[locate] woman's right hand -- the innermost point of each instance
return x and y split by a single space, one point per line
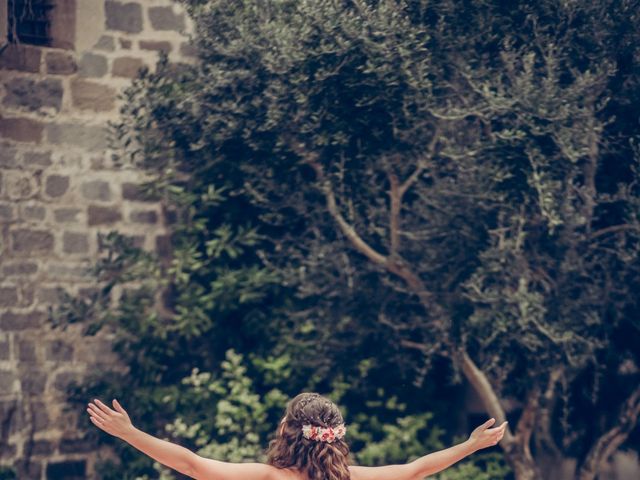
483 436
115 422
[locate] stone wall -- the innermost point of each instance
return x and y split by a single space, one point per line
58 190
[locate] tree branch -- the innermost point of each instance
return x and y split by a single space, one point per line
394 213
611 440
544 437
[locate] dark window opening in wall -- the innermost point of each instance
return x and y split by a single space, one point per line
30 21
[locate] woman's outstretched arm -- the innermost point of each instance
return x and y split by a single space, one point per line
480 438
117 423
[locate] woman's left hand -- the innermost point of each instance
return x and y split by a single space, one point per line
115 422
483 436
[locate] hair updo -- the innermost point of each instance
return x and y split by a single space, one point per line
317 460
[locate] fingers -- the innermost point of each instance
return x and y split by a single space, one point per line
96 412
118 407
103 407
488 423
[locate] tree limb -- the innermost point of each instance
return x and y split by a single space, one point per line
611 440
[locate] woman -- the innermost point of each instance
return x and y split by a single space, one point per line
309 445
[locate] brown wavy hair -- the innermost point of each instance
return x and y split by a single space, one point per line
317 460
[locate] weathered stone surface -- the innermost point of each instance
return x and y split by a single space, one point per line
87 95
125 44
49 296
34 212
92 65
20 185
32 241
74 242
64 379
155 45
105 43
103 215
21 129
27 295
124 17
41 419
7 379
32 469
60 63
34 95
5 348
8 296
34 383
8 156
96 190
37 159
19 268
6 213
59 351
68 271
144 216
83 136
132 191
127 67
21 57
26 350
76 445
56 185
43 447
8 451
66 215
11 321
188 50
164 18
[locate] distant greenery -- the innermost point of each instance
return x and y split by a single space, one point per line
378 199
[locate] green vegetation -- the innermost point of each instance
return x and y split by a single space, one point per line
376 200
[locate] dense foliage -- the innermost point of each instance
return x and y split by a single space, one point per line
377 197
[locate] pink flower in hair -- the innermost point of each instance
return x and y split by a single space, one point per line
322 434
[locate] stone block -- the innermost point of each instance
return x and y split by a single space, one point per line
43 447
27 295
8 296
20 186
87 95
29 241
105 43
76 445
41 419
124 17
127 67
34 383
7 380
188 50
66 215
56 185
33 212
64 379
21 129
144 216
74 242
125 44
5 349
19 268
26 350
132 191
6 213
155 45
92 65
8 156
49 295
164 18
83 136
164 245
34 95
96 190
24 58
68 271
37 159
11 321
31 469
59 351
60 63
98 215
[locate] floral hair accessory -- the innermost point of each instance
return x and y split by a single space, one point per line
321 434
